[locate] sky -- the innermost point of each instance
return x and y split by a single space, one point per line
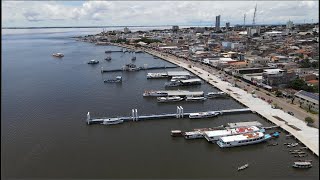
153 13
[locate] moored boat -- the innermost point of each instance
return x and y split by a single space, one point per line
242 139
155 93
193 135
203 115
108 58
112 121
191 98
217 94
170 99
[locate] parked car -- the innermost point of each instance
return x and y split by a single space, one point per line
291 113
267 94
263 98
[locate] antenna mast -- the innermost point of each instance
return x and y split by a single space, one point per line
244 19
254 16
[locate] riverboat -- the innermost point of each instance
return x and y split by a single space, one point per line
216 94
193 135
169 99
242 139
216 134
203 115
154 93
191 98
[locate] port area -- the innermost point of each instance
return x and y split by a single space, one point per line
178 114
308 136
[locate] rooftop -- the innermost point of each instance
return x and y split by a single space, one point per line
308 96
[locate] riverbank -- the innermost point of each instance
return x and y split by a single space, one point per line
308 136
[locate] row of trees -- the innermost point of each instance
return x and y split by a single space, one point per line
307 64
146 40
300 84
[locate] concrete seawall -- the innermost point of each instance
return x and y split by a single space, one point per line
308 136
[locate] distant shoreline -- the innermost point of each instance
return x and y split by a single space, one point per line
193 25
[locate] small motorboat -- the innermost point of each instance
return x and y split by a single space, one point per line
275 134
302 165
176 133
93 62
117 80
108 58
59 55
243 167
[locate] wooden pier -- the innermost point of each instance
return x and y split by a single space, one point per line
178 114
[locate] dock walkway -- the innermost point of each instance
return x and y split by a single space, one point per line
309 136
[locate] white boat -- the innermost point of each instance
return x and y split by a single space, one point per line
117 80
112 121
93 61
216 94
155 93
57 55
176 133
156 75
243 167
242 139
305 164
191 98
193 135
169 99
203 115
214 135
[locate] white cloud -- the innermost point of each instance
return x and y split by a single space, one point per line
50 13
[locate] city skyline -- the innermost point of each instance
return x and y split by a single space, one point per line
153 13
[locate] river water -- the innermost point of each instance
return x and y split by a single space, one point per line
44 106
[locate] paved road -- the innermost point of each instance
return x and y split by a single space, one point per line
283 103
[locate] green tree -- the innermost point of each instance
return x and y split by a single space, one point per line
309 120
278 93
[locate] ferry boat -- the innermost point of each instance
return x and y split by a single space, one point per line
216 134
303 165
93 61
112 121
117 80
57 55
203 115
169 99
216 94
176 133
155 93
108 58
175 78
242 139
191 98
193 135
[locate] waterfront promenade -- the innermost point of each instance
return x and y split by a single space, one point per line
309 136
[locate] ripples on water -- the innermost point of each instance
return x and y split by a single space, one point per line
44 106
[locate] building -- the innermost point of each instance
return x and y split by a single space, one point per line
126 30
251 31
254 61
307 100
227 25
218 22
277 77
289 25
175 28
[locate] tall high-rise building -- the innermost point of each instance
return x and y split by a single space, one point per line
218 22
289 25
227 24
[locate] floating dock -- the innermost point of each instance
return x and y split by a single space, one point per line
178 114
243 124
176 93
138 69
